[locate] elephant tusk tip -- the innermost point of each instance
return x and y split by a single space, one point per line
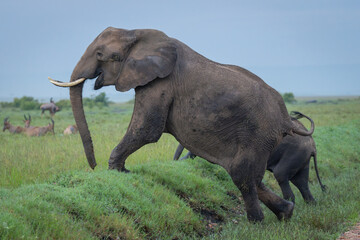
53 81
68 84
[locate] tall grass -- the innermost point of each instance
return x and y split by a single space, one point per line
47 190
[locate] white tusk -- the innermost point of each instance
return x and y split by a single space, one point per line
66 84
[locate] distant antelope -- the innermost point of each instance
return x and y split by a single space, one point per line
12 128
30 131
43 130
51 107
71 129
27 121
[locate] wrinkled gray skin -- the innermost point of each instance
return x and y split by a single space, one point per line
289 161
222 113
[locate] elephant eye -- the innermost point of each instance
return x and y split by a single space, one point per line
116 57
99 54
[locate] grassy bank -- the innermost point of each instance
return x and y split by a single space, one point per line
48 191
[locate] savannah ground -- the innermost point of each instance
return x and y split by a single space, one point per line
48 191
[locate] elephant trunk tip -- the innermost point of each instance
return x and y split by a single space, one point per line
90 157
93 165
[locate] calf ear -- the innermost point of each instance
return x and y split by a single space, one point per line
153 55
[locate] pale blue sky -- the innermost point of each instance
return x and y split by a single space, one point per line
305 47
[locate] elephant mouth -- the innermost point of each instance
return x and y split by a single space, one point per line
99 83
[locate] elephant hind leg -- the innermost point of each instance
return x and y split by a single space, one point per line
246 174
286 168
284 184
281 208
301 181
252 203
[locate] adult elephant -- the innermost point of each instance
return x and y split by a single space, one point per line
222 113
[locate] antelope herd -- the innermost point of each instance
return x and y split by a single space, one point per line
30 130
35 130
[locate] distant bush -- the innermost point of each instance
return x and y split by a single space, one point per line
289 97
24 103
29 103
7 104
63 104
132 101
100 101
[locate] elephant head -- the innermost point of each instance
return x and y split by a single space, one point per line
126 59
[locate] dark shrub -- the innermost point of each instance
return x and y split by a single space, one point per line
289 98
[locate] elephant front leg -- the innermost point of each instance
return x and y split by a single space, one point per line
146 126
129 144
283 209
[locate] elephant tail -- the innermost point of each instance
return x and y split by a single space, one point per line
178 152
323 187
299 131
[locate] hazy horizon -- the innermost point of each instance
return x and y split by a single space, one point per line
309 48
124 97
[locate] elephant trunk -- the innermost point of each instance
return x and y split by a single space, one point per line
79 115
81 72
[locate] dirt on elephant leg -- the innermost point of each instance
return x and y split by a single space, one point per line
246 171
250 197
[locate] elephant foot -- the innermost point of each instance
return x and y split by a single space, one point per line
255 217
311 201
120 168
287 212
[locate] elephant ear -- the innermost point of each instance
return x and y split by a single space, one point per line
152 56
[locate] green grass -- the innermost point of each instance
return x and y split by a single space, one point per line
47 190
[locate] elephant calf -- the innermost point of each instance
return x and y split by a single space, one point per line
289 161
